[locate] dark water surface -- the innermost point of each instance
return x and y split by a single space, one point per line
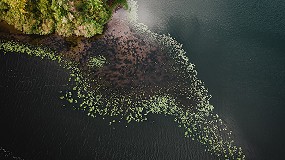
35 125
238 48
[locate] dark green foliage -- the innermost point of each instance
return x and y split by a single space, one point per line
116 3
65 17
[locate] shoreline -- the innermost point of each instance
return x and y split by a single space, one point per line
133 62
140 69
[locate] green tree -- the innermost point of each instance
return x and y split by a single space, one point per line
65 17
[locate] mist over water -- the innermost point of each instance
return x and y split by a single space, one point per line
238 49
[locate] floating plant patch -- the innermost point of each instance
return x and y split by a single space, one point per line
146 73
96 62
5 154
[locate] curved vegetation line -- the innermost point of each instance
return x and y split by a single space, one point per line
187 100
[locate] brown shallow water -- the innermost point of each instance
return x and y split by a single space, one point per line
133 63
42 129
135 66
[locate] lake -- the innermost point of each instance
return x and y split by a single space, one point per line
237 47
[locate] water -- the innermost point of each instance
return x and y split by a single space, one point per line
238 51
35 125
238 48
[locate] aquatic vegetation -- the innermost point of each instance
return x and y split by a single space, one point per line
200 124
97 62
65 17
5 154
11 46
146 73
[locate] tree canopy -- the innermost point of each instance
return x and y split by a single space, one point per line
65 17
